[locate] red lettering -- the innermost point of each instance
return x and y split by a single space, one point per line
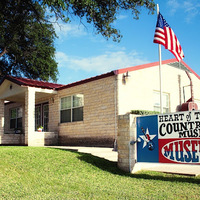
178 146
194 143
186 143
181 145
170 148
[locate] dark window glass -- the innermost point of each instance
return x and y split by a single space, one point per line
65 115
19 122
12 123
38 118
77 114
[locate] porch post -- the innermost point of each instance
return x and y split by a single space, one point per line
1 120
29 115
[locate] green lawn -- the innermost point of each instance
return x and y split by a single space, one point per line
44 173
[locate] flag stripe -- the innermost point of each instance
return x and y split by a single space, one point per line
159 36
165 35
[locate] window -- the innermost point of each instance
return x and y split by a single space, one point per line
71 108
165 102
16 118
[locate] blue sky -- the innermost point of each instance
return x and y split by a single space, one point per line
81 53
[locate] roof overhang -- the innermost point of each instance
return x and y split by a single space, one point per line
10 91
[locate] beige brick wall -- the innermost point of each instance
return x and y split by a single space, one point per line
98 125
54 113
13 139
126 134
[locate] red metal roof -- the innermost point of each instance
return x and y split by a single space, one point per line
32 83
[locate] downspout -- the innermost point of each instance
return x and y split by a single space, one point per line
191 86
179 85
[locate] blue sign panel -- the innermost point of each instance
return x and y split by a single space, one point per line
147 132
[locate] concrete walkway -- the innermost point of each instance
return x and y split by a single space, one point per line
106 153
181 169
109 154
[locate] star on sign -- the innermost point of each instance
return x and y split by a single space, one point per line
145 139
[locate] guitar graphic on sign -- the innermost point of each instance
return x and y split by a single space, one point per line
147 138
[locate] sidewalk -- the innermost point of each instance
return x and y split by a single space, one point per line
106 153
109 154
181 169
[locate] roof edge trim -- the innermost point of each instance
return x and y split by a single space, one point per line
112 73
144 66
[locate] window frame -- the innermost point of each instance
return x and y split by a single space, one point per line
71 108
156 105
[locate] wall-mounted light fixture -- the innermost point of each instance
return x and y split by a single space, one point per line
125 77
52 100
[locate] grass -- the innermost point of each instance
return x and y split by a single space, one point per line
44 173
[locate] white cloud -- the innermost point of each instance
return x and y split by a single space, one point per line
122 17
69 30
174 5
62 59
189 7
101 63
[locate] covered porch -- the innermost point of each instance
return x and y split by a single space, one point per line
23 108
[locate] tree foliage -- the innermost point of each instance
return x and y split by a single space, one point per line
100 13
26 41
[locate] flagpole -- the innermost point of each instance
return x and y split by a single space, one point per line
160 70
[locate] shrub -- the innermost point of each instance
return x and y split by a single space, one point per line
144 112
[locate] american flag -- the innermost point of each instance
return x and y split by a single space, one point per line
165 35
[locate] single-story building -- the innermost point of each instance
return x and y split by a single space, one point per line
85 112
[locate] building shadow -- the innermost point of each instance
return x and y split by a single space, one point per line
112 168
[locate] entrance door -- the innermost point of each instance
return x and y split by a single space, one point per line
42 116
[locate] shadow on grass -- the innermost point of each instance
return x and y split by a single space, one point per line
111 167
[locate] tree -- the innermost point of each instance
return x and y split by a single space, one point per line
100 13
26 41
27 36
